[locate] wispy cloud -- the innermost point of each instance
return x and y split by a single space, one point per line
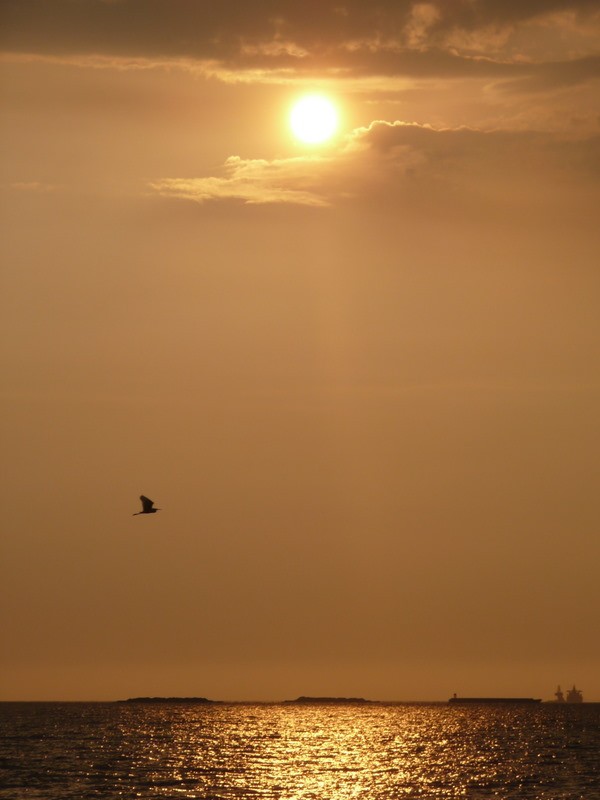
33 186
254 181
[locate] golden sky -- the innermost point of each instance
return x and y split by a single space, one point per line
361 378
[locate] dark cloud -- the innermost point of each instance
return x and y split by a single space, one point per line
488 12
188 28
506 147
397 37
554 75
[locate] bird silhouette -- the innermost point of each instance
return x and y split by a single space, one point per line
146 506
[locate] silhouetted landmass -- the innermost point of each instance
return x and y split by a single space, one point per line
305 700
168 700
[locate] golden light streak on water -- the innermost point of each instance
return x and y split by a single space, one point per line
298 752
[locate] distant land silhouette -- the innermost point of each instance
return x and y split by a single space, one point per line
327 700
303 699
168 700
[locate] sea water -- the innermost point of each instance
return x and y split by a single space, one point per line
57 751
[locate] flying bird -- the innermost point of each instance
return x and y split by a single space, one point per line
147 506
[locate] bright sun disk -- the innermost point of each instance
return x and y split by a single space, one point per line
313 119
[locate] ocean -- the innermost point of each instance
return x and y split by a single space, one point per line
239 751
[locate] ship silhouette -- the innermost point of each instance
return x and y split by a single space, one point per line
573 695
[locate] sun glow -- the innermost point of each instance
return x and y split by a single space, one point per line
313 119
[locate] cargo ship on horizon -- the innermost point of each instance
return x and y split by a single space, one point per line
468 700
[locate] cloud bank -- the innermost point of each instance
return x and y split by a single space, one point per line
284 40
398 159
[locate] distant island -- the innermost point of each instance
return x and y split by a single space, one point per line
327 700
303 700
168 700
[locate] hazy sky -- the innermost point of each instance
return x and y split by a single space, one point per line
360 378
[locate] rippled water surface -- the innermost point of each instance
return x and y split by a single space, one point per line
52 751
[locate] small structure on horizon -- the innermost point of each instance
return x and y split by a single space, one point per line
560 698
574 695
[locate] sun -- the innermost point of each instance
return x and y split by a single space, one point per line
313 119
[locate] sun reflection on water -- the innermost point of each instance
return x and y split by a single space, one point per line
298 752
342 752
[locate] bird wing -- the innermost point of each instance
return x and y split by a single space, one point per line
146 503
